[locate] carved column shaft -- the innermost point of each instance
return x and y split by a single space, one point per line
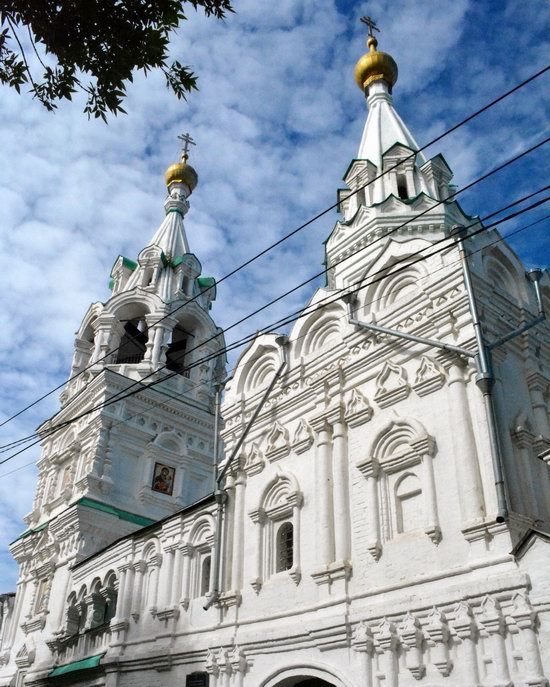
177 580
540 411
139 571
167 578
466 459
325 542
128 590
341 493
121 592
158 340
187 552
238 534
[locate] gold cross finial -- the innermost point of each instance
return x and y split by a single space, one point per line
369 21
187 141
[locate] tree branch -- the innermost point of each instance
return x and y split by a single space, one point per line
22 52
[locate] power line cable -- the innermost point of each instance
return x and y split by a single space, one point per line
292 318
464 121
343 316
152 385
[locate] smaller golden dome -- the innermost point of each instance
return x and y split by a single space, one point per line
181 173
374 66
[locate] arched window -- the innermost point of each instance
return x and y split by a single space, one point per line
285 547
133 343
205 575
408 504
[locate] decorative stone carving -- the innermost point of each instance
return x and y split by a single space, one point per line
254 461
392 385
277 442
362 639
526 620
211 666
303 437
438 632
429 377
237 659
412 638
357 409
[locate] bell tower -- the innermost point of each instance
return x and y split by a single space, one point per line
134 436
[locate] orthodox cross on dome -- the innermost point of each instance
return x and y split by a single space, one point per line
187 141
369 21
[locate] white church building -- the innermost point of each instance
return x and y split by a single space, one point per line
379 515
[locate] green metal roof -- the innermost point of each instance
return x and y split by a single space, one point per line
130 264
27 533
83 664
122 514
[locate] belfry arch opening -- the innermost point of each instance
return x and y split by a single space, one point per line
133 342
177 349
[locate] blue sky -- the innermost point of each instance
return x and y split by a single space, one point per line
277 119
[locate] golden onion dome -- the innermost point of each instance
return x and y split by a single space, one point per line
374 66
181 173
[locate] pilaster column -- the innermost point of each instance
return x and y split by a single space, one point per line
167 577
495 625
224 665
128 590
411 636
466 630
438 631
139 572
258 517
363 643
159 334
187 551
325 529
532 490
153 586
525 619
369 469
425 447
212 667
466 459
389 642
122 573
238 532
340 490
538 385
177 579
238 663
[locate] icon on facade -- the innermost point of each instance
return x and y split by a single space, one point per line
163 479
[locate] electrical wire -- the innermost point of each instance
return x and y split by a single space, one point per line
293 317
343 316
248 262
325 270
226 349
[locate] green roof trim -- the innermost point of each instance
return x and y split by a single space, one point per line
34 530
111 284
208 283
174 210
121 514
177 261
130 264
164 259
83 664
